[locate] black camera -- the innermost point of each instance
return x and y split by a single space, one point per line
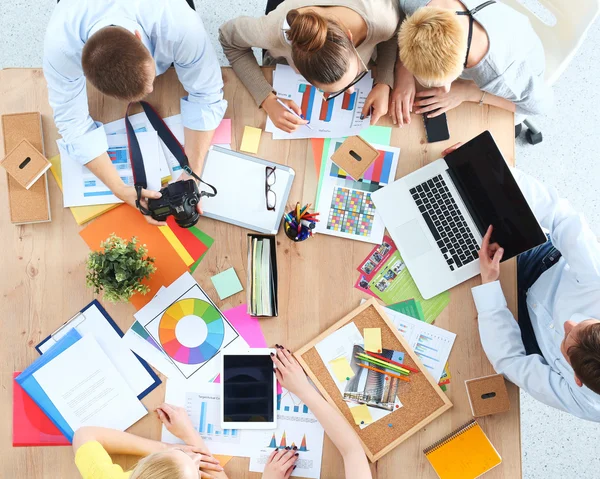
178 199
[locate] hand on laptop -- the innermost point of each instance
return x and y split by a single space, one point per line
489 258
289 372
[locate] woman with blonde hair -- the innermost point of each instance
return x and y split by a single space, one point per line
330 43
481 51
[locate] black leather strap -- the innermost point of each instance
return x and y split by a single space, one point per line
471 22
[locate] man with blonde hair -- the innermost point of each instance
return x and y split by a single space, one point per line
471 50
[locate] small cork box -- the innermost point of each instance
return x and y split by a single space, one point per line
355 156
25 164
487 395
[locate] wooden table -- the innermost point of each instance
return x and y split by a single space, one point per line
43 270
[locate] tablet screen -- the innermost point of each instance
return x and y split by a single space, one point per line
248 383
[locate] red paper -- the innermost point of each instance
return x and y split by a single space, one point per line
317 148
31 427
193 245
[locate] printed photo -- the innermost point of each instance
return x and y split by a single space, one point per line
368 267
384 248
389 274
376 258
382 285
363 283
398 266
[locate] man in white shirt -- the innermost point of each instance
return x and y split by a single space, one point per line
120 46
553 352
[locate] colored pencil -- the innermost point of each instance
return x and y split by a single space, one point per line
402 378
404 366
383 364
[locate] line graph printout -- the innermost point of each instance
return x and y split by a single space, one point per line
336 118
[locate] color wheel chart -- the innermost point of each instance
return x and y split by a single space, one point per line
195 313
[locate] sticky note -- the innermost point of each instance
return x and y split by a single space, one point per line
361 414
251 139
222 134
227 283
341 369
372 339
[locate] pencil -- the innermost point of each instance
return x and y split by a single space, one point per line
410 368
402 378
383 364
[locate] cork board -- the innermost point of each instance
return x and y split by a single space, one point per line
422 398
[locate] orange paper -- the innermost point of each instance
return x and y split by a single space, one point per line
127 222
317 148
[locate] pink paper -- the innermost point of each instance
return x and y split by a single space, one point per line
223 133
249 329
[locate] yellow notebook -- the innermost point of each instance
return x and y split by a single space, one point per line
82 214
466 453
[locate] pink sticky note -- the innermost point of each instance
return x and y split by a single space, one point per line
223 133
249 329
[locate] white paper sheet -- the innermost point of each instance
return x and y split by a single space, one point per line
345 204
82 188
332 119
87 390
93 322
192 334
431 343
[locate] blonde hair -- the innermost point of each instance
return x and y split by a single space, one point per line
433 45
157 466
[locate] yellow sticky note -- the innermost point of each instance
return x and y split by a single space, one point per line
251 139
361 414
341 369
373 339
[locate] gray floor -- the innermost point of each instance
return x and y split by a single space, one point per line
555 445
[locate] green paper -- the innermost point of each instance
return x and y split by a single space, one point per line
206 240
410 307
380 135
227 283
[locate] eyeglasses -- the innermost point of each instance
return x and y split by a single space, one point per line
270 196
360 76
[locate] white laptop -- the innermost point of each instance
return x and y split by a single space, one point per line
438 215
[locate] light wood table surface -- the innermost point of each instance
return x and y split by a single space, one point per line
42 280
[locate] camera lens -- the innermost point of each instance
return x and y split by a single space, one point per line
193 202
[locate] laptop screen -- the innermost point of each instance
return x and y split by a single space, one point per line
492 195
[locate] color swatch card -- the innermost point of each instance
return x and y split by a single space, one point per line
190 329
345 204
251 139
340 116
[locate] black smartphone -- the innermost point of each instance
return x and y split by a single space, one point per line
436 128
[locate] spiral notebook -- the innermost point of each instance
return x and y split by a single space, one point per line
466 453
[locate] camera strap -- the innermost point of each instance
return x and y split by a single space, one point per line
171 142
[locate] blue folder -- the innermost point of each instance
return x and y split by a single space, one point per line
96 303
35 391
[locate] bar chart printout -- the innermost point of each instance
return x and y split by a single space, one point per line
204 412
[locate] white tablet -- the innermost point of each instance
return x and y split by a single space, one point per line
249 390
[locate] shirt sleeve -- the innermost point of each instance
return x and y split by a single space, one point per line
199 72
569 231
82 138
387 53
501 340
94 462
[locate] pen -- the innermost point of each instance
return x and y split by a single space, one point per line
383 364
293 113
384 372
404 366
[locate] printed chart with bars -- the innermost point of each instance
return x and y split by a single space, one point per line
326 110
283 443
288 402
204 412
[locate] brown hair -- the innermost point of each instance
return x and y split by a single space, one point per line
585 356
115 62
320 47
157 466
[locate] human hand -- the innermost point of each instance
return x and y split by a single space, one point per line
403 96
441 100
179 424
489 258
184 177
289 372
281 463
202 459
450 149
376 103
281 118
129 196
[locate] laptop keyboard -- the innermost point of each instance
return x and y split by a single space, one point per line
446 222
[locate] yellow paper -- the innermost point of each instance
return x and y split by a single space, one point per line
361 414
251 139
341 369
373 339
82 214
177 246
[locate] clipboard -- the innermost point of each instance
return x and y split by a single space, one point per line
80 317
240 181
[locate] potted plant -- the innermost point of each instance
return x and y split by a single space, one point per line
119 268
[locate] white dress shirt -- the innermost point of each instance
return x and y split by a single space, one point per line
171 31
569 290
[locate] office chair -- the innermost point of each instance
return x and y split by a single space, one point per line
561 41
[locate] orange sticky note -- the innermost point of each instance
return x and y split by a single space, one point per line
251 139
372 339
127 222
